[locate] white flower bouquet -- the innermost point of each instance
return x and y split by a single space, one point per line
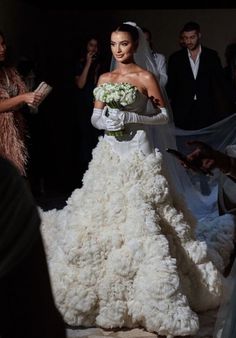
115 95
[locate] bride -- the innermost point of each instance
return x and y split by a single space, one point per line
122 252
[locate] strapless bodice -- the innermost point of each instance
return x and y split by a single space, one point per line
139 104
112 92
134 137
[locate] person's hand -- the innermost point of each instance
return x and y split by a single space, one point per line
90 57
203 157
116 114
32 99
207 158
114 119
121 118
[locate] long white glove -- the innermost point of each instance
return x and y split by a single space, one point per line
99 118
118 119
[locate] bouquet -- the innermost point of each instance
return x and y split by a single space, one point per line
115 95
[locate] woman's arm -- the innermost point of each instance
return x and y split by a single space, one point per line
117 119
14 103
81 79
208 158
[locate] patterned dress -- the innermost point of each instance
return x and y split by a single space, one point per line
12 127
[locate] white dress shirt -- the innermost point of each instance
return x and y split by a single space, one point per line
195 65
160 62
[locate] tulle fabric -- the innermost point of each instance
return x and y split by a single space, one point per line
225 326
219 135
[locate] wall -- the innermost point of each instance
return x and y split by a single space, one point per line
217 25
31 29
20 24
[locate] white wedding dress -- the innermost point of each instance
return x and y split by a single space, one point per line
123 251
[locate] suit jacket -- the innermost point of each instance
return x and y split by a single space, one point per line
213 102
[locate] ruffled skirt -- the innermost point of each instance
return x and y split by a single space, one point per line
122 253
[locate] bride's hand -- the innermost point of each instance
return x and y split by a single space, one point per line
113 119
116 114
112 125
105 120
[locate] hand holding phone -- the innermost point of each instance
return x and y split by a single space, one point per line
195 165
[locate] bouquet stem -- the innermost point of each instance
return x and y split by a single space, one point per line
115 133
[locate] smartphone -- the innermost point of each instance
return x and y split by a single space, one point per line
188 163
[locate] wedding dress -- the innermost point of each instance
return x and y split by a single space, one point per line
123 252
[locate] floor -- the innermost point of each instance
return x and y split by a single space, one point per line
99 333
207 323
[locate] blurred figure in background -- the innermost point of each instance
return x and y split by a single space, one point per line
181 39
200 98
208 158
196 83
230 68
159 59
88 69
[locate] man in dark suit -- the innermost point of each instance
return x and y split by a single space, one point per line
196 85
27 308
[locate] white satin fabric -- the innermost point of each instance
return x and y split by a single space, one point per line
125 148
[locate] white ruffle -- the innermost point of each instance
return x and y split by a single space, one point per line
121 255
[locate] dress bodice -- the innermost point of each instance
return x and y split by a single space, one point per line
135 136
139 104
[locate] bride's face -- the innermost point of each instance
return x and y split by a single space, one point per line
122 46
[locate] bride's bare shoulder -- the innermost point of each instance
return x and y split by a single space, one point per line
146 74
106 77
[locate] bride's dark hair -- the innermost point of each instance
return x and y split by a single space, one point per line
128 29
